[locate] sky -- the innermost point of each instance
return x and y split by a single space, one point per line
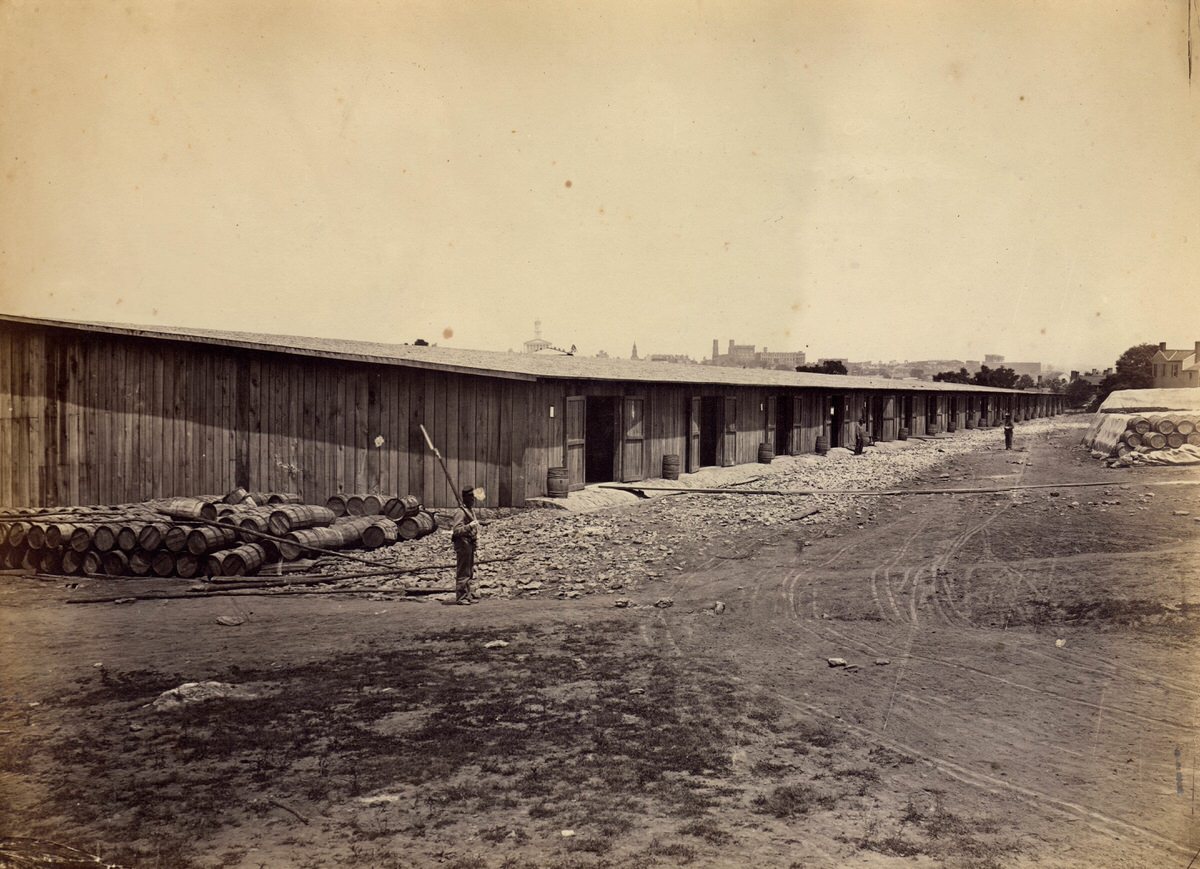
871 180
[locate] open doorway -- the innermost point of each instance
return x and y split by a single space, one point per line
783 425
601 434
837 419
712 425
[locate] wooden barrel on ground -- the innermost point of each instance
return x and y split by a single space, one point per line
1131 439
151 535
238 496
72 562
902 433
970 422
298 541
93 565
1162 424
932 428
187 565
398 508
51 561
201 541
58 534
1139 424
116 562
766 453
355 505
81 538
35 537
176 537
30 559
283 498
951 427
294 517
163 564
336 504
141 562
189 508
351 529
1194 438
1175 440
670 467
822 446
557 485
17 532
104 538
259 498
1155 440
416 526
128 536
251 523
245 560
372 505
381 532
1185 426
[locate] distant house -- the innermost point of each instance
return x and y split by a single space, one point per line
746 356
1175 368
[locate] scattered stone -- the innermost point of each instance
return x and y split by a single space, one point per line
664 603
567 834
836 662
199 692
495 644
1059 643
882 662
621 602
1181 513
231 621
718 607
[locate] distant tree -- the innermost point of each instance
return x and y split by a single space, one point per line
1025 382
829 366
421 342
916 373
1055 384
1004 378
959 376
1134 370
1079 393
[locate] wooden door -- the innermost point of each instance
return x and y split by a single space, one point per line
796 440
693 456
729 437
769 427
889 417
633 421
574 441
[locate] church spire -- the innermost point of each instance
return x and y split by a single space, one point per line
634 355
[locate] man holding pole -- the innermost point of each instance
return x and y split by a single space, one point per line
465 537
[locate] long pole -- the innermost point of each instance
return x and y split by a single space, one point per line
449 479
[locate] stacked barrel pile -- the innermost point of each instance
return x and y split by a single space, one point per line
234 535
1158 431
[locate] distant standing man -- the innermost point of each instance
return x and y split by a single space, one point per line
465 537
860 436
1008 431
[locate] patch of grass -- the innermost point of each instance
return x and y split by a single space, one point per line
677 852
789 801
707 829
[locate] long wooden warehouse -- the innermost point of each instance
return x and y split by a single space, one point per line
97 413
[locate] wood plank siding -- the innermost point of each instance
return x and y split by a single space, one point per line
88 417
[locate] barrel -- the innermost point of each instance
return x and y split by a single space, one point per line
951 427
251 523
931 428
51 561
1131 439
81 538
72 562
298 542
163 564
1184 426
398 508
57 534
204 540
17 532
176 537
970 423
355 505
766 453
1175 440
1194 438
104 538
1155 440
189 508
902 433
381 532
30 559
351 528
238 496
141 562
1162 424
151 535
128 536
372 505
294 517
557 485
670 467
245 560
822 445
283 498
92 563
337 504
116 562
12 560
35 537
1139 424
187 565
261 499
416 526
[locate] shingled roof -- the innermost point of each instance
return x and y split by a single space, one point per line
518 366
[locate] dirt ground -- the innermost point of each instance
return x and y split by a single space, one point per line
1021 689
